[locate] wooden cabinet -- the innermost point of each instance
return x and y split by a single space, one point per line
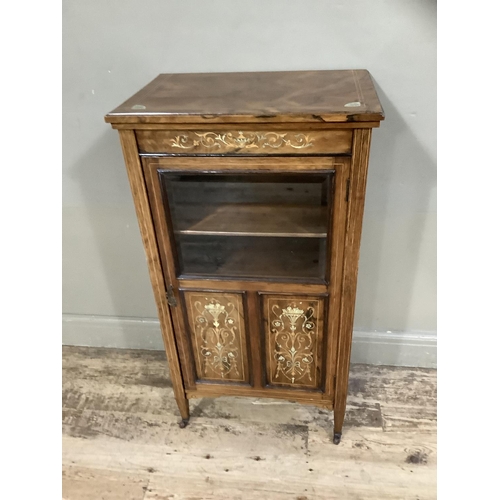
249 190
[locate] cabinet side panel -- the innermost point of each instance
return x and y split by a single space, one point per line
138 188
359 171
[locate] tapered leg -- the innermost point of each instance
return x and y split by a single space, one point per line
356 199
183 404
338 422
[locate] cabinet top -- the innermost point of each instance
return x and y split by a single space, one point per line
265 97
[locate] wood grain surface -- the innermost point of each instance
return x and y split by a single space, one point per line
287 96
121 440
244 164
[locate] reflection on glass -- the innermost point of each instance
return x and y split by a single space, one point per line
249 225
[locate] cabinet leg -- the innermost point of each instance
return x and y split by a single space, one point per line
183 404
338 422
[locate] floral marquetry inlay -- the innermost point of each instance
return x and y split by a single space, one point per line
217 330
294 341
241 140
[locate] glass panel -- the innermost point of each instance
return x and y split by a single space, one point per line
249 225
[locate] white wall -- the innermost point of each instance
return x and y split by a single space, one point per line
113 48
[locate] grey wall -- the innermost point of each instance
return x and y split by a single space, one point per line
113 48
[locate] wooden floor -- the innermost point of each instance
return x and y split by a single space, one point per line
121 439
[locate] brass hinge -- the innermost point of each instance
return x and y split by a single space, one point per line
347 189
172 301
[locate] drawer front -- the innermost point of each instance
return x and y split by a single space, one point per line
293 339
218 335
245 142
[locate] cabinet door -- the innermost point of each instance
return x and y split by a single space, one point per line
239 227
218 335
293 339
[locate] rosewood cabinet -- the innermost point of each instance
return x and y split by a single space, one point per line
249 190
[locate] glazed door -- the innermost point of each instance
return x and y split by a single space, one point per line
250 226
250 248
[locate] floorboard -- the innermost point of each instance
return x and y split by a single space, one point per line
121 440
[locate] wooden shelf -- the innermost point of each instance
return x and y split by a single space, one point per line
239 219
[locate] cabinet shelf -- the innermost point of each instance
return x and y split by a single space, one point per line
240 219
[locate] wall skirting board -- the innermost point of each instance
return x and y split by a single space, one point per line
417 349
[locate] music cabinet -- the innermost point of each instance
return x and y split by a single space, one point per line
249 190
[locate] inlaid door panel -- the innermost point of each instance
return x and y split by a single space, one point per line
218 335
293 339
